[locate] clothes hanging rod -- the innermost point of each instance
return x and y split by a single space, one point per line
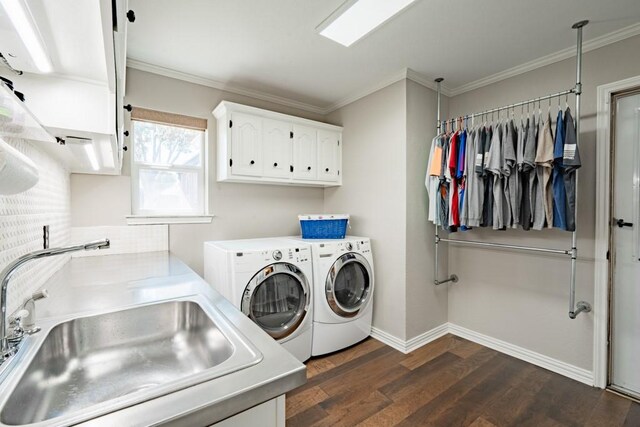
574 308
507 246
517 104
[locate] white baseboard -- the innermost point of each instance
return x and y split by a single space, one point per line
413 343
553 365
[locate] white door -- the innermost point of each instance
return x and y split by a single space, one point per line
625 249
277 148
328 155
305 154
246 145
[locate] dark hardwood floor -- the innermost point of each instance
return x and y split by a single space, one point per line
449 382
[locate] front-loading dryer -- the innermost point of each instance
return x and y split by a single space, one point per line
343 292
270 281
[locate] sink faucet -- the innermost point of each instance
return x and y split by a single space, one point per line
6 349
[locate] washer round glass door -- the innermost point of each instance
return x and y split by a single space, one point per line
277 299
348 285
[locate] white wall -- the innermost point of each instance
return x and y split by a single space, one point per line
522 298
241 210
373 192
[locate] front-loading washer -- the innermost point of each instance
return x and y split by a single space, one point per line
343 292
269 280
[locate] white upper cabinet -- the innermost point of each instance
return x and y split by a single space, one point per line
305 152
80 102
276 148
329 155
266 147
246 150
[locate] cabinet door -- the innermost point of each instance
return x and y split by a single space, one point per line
246 145
305 152
277 151
328 155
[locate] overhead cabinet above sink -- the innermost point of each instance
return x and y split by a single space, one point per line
80 101
265 147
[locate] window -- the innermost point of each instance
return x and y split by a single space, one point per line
168 165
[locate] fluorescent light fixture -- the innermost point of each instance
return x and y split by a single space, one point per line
83 150
91 155
24 24
357 18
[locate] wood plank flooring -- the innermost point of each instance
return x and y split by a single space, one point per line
449 382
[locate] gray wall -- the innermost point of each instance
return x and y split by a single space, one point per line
522 298
241 210
426 303
373 192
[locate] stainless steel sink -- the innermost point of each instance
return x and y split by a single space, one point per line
89 366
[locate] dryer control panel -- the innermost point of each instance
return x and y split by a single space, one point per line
361 246
292 255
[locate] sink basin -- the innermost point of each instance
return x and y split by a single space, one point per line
89 366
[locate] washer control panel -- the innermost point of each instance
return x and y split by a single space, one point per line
302 254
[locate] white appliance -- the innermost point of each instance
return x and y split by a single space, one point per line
270 281
343 292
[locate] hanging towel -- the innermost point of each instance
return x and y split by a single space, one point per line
570 163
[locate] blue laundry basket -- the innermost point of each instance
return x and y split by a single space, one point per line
323 226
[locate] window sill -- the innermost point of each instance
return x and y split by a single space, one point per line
181 219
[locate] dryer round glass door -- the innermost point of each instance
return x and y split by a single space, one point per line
277 299
348 285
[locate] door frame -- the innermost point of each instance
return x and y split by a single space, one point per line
603 229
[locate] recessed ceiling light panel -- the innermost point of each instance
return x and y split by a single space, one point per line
357 18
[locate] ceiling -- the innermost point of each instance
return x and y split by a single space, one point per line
271 46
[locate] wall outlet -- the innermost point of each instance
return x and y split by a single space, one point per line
45 237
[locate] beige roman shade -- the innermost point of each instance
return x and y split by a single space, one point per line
153 116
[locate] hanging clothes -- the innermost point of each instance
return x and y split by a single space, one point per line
432 178
559 194
570 163
525 164
487 212
543 213
496 160
530 165
454 207
510 174
474 188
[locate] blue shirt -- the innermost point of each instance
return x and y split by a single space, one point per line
559 193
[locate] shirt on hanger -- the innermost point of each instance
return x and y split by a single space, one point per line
544 165
494 166
487 212
523 171
474 196
529 166
559 194
570 163
508 170
432 180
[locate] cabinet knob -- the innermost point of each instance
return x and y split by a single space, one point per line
275 165
309 168
252 162
131 16
326 170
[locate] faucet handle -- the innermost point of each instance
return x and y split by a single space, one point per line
18 316
40 295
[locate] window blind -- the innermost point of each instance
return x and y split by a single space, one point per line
161 117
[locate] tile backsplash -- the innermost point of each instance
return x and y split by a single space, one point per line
22 217
124 239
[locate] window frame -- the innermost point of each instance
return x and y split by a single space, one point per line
146 216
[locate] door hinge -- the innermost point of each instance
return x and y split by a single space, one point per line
230 123
607 255
291 168
291 134
230 162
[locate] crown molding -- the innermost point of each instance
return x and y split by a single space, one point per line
589 45
264 96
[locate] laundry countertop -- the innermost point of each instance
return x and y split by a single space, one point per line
88 285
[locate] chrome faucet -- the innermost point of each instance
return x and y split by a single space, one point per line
6 348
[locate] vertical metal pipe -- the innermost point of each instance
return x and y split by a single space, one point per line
574 237
437 236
